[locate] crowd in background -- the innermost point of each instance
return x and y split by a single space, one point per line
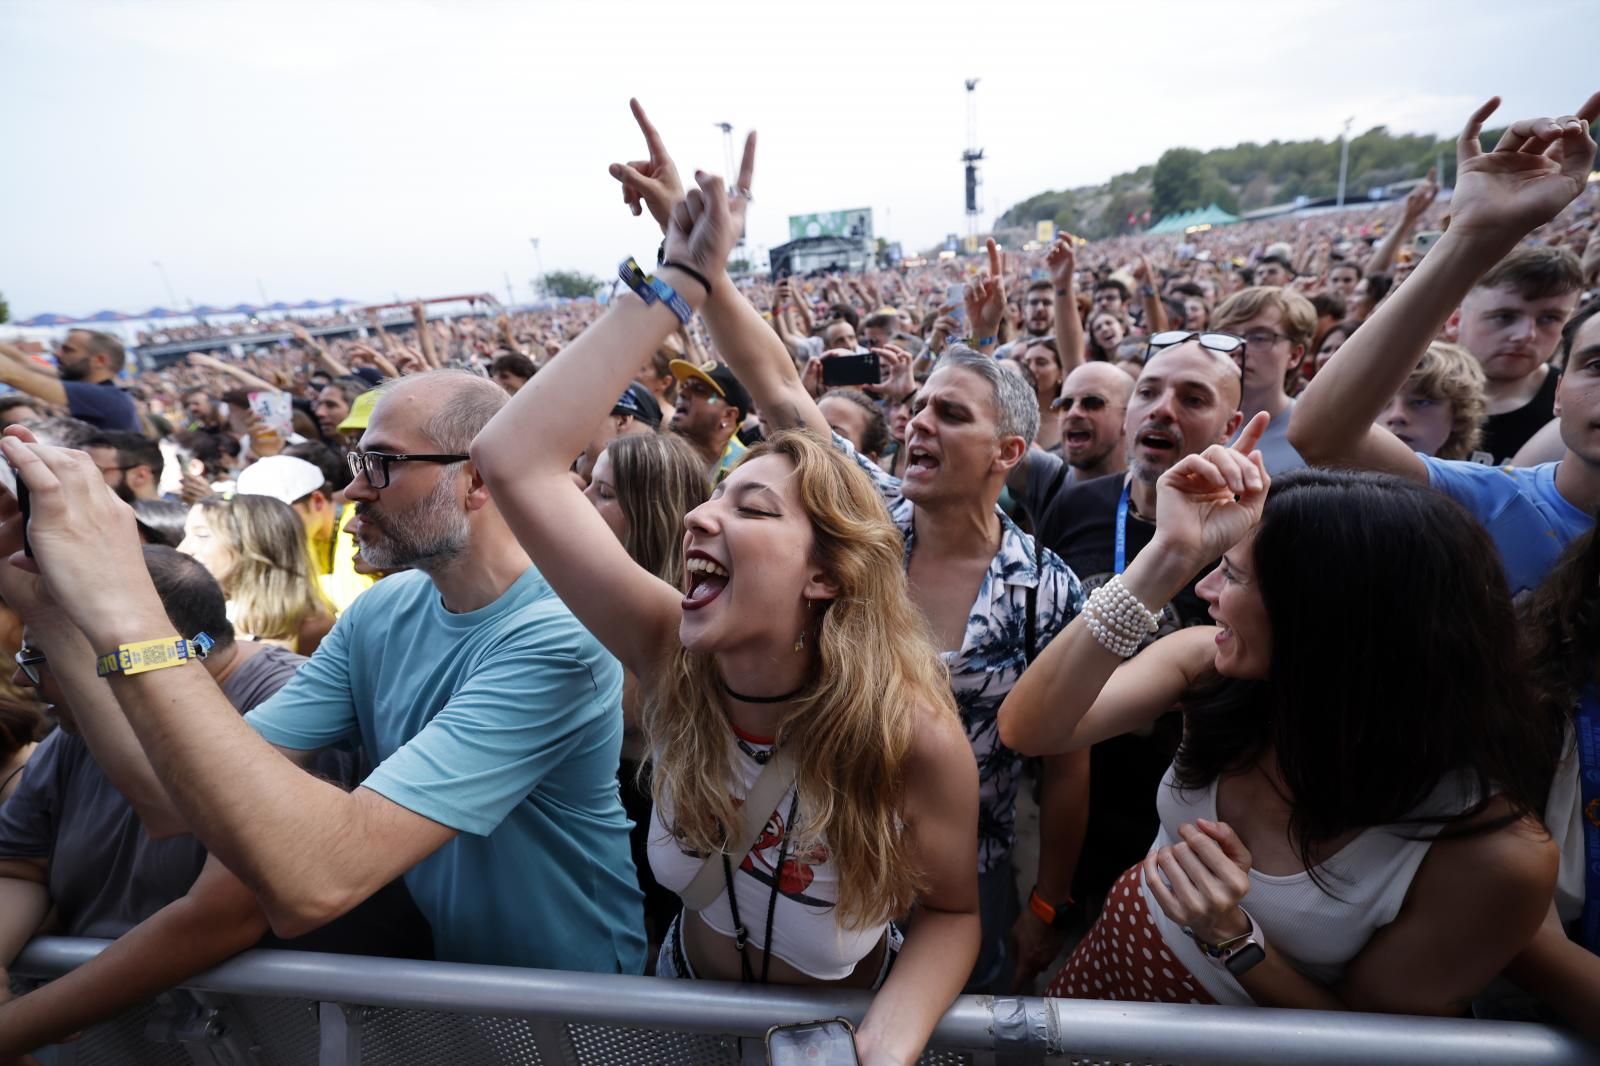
485 577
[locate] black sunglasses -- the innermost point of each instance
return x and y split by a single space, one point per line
374 466
29 660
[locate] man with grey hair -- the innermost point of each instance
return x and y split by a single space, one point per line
991 599
492 714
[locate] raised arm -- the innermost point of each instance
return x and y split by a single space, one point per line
1155 311
1077 693
419 315
525 450
1539 167
986 302
324 357
752 349
1411 212
1062 262
18 371
238 373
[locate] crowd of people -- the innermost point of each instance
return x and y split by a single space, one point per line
717 632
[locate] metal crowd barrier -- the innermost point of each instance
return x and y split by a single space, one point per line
283 1008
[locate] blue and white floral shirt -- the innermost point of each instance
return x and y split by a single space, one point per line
993 653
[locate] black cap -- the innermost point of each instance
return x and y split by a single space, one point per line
638 402
720 378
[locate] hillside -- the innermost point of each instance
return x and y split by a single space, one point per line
1241 178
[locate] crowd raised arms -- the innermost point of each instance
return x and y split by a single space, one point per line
1231 531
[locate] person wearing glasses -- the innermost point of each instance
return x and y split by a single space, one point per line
1089 414
1278 326
491 713
1185 400
711 407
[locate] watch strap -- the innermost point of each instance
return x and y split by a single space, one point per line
1056 917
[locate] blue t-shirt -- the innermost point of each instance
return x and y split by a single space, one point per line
502 723
1530 522
103 406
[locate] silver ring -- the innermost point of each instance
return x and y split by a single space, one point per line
740 190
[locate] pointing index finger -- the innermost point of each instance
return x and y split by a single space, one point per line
652 139
747 164
1251 435
994 258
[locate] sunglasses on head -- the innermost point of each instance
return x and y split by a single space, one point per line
1222 343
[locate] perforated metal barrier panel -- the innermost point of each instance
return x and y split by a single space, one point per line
268 1008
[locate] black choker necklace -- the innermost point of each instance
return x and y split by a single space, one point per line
785 698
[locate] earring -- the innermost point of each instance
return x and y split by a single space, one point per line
800 645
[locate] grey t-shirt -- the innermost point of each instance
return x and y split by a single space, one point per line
106 875
259 676
1276 451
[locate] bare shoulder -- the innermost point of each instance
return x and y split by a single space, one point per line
940 755
1505 864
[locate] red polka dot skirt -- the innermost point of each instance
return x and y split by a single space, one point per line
1124 957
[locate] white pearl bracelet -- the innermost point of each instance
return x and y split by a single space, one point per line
1117 619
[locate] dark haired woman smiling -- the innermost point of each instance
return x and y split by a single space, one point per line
1349 821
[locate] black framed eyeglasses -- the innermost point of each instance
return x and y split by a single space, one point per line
374 466
28 661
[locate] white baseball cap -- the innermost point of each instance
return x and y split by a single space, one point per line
283 477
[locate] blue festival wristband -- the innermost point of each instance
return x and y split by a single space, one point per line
636 279
675 303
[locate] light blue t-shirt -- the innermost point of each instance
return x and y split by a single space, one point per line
1530 522
502 723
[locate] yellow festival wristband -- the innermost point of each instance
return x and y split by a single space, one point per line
145 655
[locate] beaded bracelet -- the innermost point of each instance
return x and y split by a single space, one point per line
1117 619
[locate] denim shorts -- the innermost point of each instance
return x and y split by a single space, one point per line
674 961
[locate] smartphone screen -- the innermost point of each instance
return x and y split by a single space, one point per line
851 370
956 296
829 1043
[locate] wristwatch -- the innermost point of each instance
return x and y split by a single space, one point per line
1055 917
1237 955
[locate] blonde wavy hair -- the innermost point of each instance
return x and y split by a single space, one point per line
877 671
270 584
1450 374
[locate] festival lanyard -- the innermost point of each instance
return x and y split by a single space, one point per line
1121 558
1587 723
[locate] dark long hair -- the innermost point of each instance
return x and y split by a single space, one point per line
1394 663
1562 623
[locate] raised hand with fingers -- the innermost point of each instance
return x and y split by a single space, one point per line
1062 262
895 382
1419 199
708 221
986 300
651 183
1538 168
1210 501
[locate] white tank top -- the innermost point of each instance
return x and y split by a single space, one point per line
1315 931
805 933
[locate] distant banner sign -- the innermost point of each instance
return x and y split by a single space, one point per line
1045 232
855 224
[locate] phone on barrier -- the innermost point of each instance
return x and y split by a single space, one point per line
851 370
825 1043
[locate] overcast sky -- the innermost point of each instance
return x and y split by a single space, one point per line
366 150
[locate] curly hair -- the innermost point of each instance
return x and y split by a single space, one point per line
1450 374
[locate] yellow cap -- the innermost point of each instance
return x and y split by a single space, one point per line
360 412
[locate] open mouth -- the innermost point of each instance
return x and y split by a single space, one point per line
920 460
706 579
1078 438
1160 441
